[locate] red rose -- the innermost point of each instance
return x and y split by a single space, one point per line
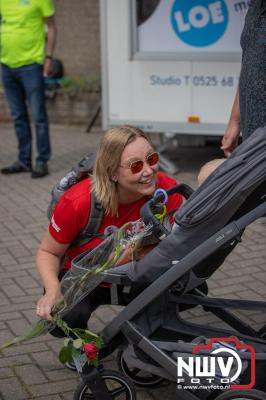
90 350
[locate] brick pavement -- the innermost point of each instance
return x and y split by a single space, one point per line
32 370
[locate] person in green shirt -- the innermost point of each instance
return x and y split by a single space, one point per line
26 54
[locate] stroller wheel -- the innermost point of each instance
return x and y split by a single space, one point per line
118 386
136 375
250 394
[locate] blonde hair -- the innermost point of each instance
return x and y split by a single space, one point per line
107 162
208 168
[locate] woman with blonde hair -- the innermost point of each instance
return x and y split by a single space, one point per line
125 176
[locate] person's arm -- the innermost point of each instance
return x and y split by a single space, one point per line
50 44
48 260
231 136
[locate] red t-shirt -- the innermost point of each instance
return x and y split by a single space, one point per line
72 212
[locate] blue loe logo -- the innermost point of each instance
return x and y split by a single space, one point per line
199 23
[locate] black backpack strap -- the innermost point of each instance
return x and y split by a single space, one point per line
93 224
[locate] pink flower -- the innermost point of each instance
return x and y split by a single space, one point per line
90 350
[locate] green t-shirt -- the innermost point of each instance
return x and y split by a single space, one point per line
22 36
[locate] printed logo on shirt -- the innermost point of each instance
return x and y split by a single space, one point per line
199 23
54 225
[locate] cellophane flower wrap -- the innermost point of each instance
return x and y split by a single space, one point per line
85 274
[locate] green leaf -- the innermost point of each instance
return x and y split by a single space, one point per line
94 362
65 354
75 352
77 343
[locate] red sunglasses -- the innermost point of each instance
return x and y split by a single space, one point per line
137 166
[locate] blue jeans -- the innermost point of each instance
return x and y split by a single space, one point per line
25 86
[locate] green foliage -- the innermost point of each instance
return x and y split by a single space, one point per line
65 354
73 348
75 341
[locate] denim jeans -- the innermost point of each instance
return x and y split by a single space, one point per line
25 86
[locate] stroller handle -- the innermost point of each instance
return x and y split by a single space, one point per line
149 208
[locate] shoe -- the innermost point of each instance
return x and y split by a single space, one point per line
39 171
16 168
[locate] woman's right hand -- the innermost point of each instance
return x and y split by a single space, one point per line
45 305
230 138
49 256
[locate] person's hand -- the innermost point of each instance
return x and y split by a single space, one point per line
230 138
47 67
45 305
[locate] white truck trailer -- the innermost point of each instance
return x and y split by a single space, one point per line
170 66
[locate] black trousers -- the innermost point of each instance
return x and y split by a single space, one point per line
80 314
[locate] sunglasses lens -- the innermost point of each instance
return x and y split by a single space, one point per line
152 159
136 166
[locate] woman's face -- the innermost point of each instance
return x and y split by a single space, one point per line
131 187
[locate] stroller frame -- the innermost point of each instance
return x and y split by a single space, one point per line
200 236
123 325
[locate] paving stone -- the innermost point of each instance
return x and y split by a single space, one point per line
67 396
225 290
260 276
95 323
15 360
53 387
259 318
106 314
27 260
11 389
30 316
7 259
8 316
6 282
48 360
4 299
19 326
30 374
256 285
14 226
16 307
19 251
250 295
236 280
58 375
248 271
55 344
31 244
7 274
2 325
32 370
36 292
5 336
5 373
24 299
25 348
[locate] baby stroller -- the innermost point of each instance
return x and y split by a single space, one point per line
150 333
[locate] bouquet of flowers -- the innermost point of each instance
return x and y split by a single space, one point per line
85 274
